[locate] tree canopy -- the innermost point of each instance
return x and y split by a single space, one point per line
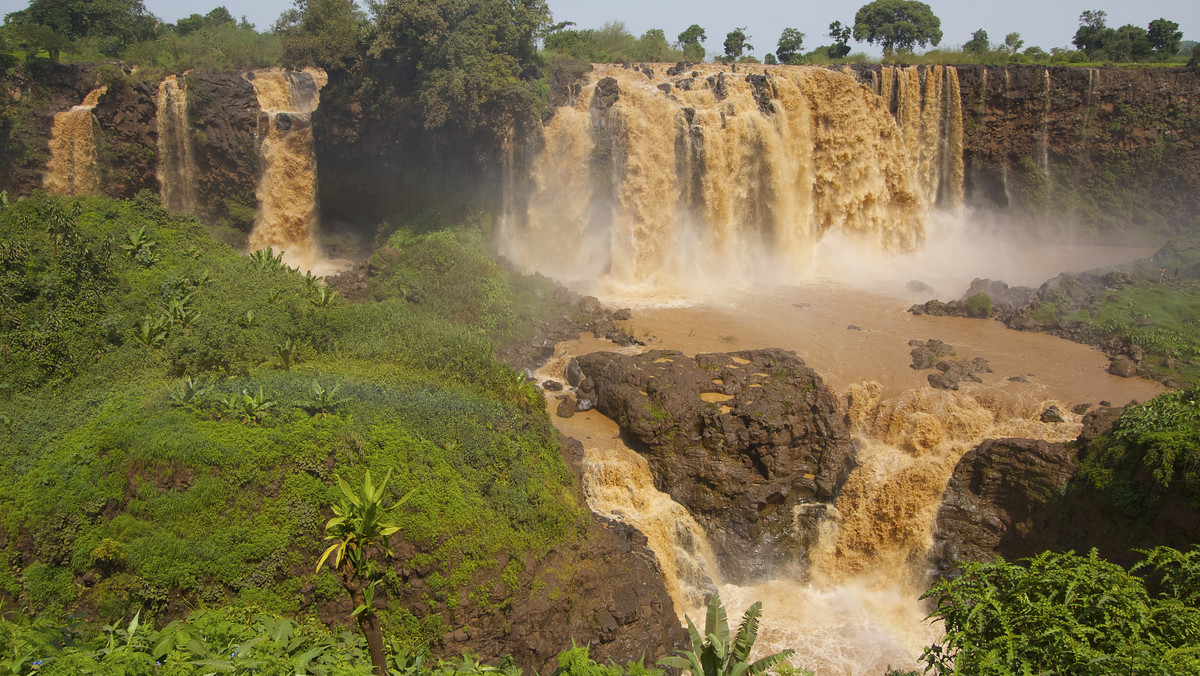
841 40
118 23
978 44
736 43
1128 43
897 24
791 42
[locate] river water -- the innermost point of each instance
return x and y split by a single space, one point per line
857 610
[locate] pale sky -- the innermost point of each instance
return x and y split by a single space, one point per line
1041 23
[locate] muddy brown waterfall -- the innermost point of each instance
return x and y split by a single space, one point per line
721 176
177 179
287 187
73 168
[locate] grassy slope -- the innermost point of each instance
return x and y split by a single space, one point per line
115 496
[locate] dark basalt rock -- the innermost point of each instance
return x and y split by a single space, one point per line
998 488
926 354
750 442
608 92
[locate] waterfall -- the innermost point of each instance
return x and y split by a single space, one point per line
722 178
287 186
73 165
177 179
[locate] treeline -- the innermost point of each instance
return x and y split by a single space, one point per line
90 31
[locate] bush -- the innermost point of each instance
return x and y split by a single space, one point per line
979 305
1066 614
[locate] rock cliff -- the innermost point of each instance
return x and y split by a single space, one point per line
750 442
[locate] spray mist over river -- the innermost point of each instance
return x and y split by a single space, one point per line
793 211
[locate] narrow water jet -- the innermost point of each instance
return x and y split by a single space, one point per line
177 174
287 186
73 167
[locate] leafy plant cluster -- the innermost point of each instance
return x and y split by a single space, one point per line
91 32
1153 449
1060 613
194 467
238 641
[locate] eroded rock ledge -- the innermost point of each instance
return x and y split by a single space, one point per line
750 442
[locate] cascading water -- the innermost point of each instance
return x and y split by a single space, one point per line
287 187
73 164
733 177
177 179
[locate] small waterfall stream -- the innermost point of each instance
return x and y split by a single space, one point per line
177 179
287 187
73 166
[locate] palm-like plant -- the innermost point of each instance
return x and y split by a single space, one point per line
137 242
324 400
714 654
360 529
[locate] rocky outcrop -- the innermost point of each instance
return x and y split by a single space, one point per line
128 120
1016 497
998 500
225 118
750 442
1110 146
606 590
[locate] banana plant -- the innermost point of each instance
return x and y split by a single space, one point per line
267 259
137 242
251 408
152 332
715 653
247 321
325 297
360 529
189 392
324 400
286 351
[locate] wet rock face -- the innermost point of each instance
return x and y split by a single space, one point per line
224 112
750 442
999 494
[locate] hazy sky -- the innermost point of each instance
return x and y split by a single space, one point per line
1041 23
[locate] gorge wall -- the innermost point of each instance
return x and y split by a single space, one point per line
1106 149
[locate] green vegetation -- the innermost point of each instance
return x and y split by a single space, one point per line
979 305
191 468
1152 452
613 43
123 29
897 25
1067 614
716 653
360 535
1159 42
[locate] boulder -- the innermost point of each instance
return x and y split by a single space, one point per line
926 354
751 442
1052 415
998 488
566 407
608 92
1123 366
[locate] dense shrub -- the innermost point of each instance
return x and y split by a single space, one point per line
979 305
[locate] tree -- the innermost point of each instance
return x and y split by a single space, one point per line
1093 32
360 530
466 65
978 44
897 24
735 43
841 40
690 42
324 33
119 22
791 41
1013 43
1131 44
1164 37
715 654
653 45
